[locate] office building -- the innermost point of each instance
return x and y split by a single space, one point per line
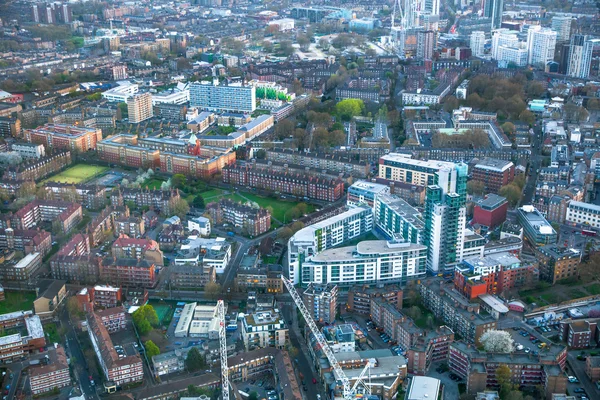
545 370
493 9
477 43
583 214
370 261
265 328
321 300
541 43
326 234
121 93
536 228
215 97
493 174
580 56
365 193
561 24
425 44
139 108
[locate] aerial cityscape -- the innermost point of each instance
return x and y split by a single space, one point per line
317 200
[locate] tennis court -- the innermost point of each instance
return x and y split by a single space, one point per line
164 311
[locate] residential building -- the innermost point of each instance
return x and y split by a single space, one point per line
397 219
359 297
63 215
99 296
264 329
16 346
51 295
27 241
29 150
503 38
23 270
202 122
583 214
537 230
477 43
54 374
186 276
369 261
128 272
493 174
326 234
314 187
425 44
592 368
545 369
423 387
343 163
215 252
162 200
130 226
113 319
365 192
457 312
321 300
200 225
561 24
556 263
90 196
253 221
121 93
541 43
580 56
490 211
215 97
64 137
139 107
10 127
118 371
37 170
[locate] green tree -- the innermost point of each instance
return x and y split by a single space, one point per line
296 226
475 187
285 233
451 103
198 202
503 377
151 349
212 290
349 108
150 315
527 116
512 193
508 127
284 129
180 208
194 360
178 181
123 109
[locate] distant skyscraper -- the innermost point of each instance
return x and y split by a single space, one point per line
425 45
493 9
541 43
503 37
562 25
66 15
431 6
49 14
580 56
477 43
36 13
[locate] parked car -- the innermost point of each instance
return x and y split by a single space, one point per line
579 390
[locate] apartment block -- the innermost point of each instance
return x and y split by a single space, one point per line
186 276
490 211
130 226
29 150
27 241
583 214
556 263
89 196
215 97
10 127
113 319
162 200
359 297
139 107
64 137
37 170
128 272
23 269
118 371
16 346
493 174
313 187
331 162
365 192
55 374
252 220
63 215
456 311
398 220
147 249
321 300
264 329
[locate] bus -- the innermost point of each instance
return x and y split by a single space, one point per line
588 232
231 327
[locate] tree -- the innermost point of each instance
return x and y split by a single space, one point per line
180 208
508 127
590 270
73 307
151 349
150 314
285 233
414 312
286 48
194 361
284 129
324 44
527 116
512 193
349 108
178 181
296 226
212 290
497 341
476 187
451 103
304 42
198 202
593 104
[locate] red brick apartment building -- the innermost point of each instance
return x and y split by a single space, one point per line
66 215
313 187
494 173
113 319
592 368
16 346
65 137
99 296
359 298
527 370
162 200
580 334
74 262
105 221
26 240
117 370
147 249
128 272
44 378
254 221
90 196
38 169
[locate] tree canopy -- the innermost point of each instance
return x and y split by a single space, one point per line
349 108
144 318
151 349
194 361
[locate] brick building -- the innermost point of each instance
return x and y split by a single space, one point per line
490 211
493 173
254 221
65 137
556 263
322 300
113 319
184 276
359 298
38 169
64 215
579 334
592 368
128 272
117 370
313 187
331 162
55 374
147 249
89 196
162 200
130 226
16 346
26 240
19 269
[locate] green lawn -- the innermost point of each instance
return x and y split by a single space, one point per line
577 293
551 297
593 289
52 333
77 174
154 183
212 195
17 301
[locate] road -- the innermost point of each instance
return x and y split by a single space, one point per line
535 163
578 369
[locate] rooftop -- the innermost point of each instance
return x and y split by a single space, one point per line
405 159
491 201
423 387
366 248
493 164
494 303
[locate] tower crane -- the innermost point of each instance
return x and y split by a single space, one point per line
223 349
349 391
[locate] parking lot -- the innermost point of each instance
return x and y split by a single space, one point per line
450 386
263 385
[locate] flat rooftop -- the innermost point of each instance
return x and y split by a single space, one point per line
494 303
423 387
405 159
493 164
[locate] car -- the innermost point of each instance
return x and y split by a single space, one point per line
318 397
439 370
527 350
579 390
314 381
304 387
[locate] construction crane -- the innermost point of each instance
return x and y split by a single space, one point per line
349 392
223 349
